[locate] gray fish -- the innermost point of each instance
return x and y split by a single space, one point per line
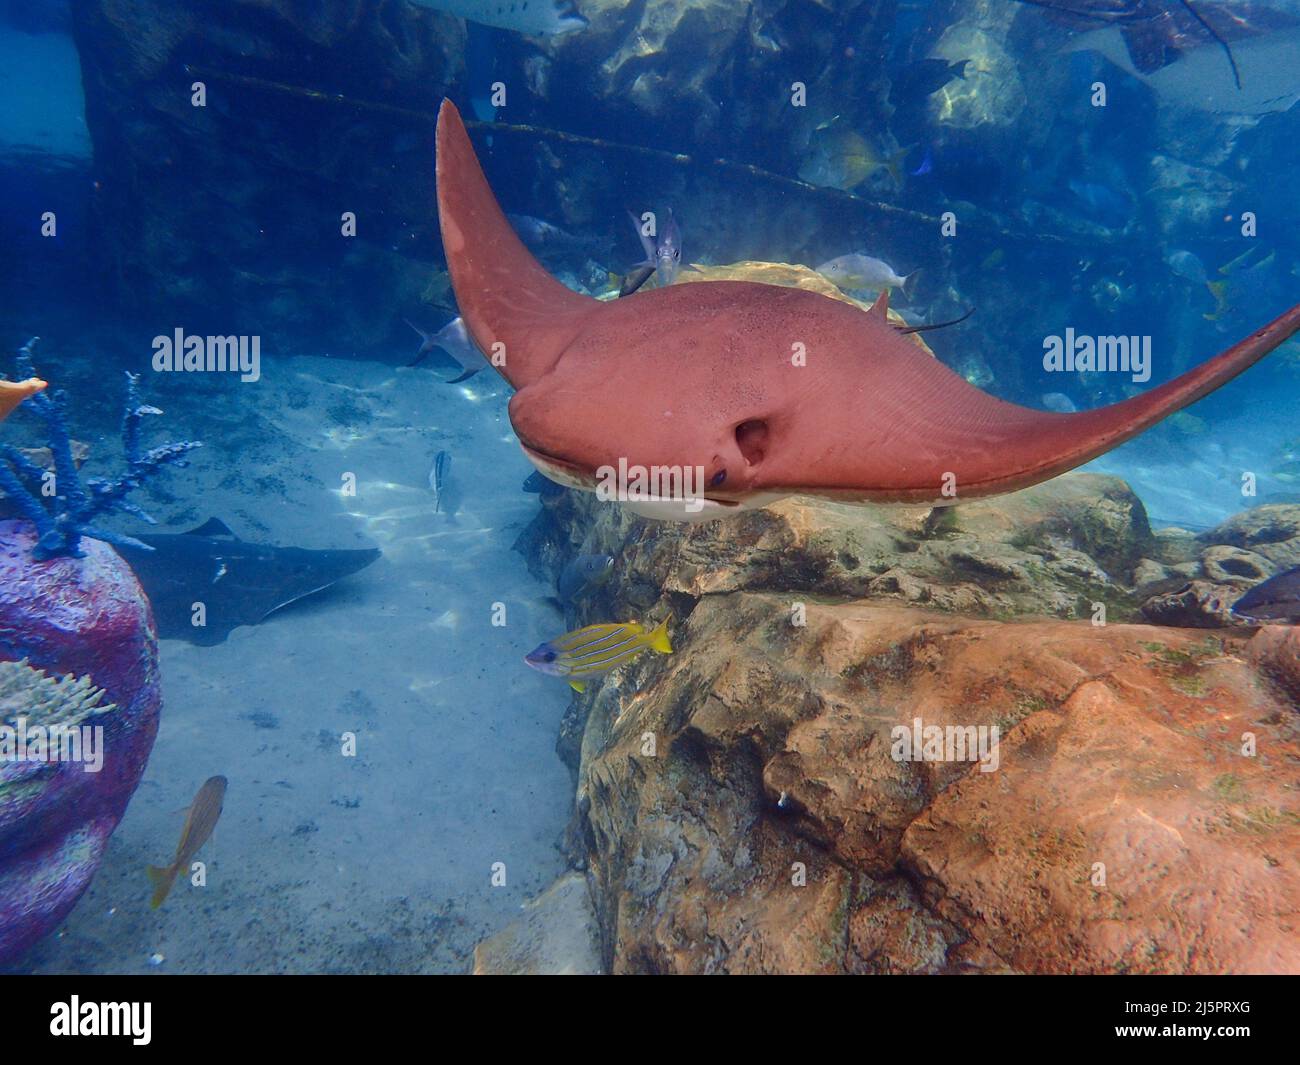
1187 266
860 272
583 575
541 235
438 474
663 251
454 339
1277 599
1059 402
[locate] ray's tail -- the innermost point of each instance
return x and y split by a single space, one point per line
1107 427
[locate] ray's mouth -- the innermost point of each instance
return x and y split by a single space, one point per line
560 470
572 475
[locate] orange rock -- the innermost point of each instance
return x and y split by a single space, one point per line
740 807
1126 827
1276 651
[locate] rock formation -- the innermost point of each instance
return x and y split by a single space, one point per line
742 805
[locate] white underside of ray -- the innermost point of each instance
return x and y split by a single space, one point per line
660 508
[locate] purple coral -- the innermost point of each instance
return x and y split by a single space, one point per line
87 618
62 522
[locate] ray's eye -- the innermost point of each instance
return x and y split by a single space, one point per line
717 479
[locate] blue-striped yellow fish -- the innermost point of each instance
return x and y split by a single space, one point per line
596 649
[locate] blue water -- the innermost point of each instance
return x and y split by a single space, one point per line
227 219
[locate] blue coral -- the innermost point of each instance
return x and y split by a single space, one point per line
63 519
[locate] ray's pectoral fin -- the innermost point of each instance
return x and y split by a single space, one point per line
514 310
918 433
1039 445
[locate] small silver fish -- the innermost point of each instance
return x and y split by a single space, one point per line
663 251
1187 266
860 272
454 339
1059 402
438 478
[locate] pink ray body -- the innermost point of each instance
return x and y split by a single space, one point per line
711 375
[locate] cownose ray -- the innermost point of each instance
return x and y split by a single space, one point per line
772 391
13 393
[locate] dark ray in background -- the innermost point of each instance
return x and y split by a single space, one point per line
1157 33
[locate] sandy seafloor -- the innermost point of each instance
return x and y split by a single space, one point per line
321 863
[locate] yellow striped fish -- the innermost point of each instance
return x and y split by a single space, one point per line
597 649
